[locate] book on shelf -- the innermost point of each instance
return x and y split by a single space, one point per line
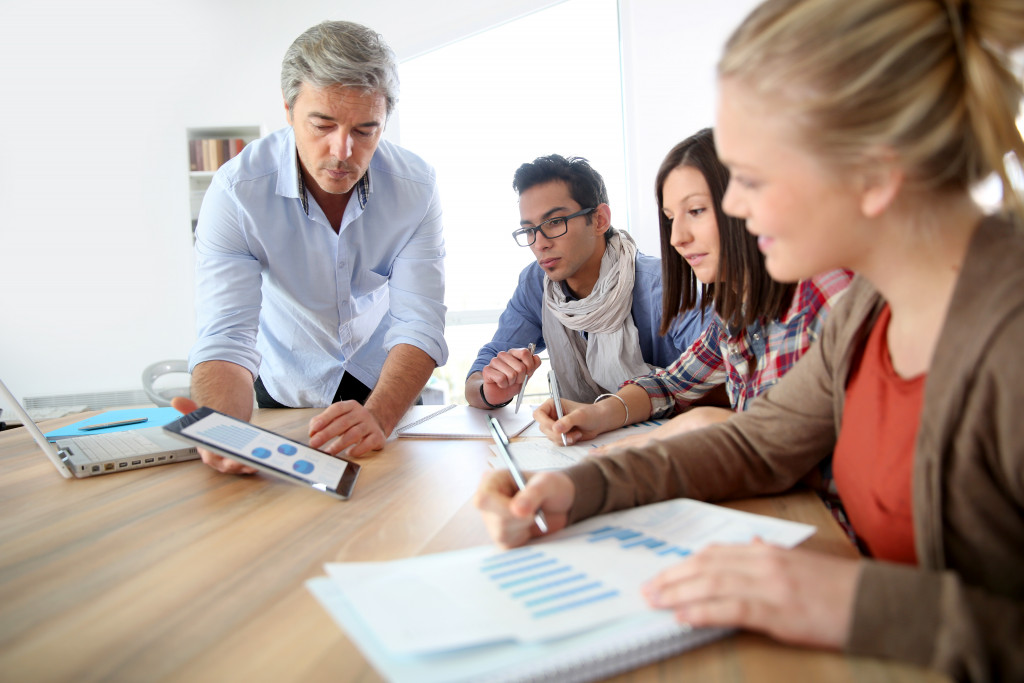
209 154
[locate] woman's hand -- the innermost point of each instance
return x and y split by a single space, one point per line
795 596
580 422
508 512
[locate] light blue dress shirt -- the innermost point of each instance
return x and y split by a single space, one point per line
281 294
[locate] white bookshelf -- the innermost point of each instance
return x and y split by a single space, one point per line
199 180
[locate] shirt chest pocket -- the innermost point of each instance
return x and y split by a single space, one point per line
370 301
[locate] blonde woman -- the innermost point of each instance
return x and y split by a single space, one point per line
854 132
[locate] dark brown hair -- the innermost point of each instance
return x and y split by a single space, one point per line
742 292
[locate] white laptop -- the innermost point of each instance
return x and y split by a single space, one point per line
87 456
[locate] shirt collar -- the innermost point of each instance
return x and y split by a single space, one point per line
362 186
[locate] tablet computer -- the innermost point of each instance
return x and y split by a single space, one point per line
266 451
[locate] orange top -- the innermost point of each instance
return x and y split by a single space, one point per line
874 456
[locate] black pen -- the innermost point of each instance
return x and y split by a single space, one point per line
118 423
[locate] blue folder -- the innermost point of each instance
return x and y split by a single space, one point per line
156 417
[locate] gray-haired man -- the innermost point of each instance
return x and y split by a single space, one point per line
319 256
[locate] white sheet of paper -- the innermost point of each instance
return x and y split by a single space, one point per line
544 454
568 582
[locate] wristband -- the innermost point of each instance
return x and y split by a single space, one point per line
488 403
621 400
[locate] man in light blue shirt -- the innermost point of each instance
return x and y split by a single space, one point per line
319 256
590 298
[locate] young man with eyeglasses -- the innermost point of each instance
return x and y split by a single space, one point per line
591 299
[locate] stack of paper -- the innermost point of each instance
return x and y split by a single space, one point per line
570 599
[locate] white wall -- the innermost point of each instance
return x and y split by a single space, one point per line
669 53
95 250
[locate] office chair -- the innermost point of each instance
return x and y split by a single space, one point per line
163 396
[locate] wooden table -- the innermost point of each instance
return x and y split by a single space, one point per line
180 573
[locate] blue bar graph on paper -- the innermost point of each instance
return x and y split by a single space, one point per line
526 569
531 578
512 560
543 584
646 423
644 543
628 538
578 603
546 586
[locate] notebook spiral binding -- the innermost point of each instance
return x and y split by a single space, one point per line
402 428
628 655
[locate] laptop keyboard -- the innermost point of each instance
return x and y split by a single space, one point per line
103 447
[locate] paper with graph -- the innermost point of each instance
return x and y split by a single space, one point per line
568 582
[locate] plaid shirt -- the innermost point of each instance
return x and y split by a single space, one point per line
750 360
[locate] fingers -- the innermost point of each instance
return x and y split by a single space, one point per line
183 404
346 426
224 465
509 513
796 596
546 419
493 498
552 427
509 369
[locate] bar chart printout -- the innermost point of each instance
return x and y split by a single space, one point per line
572 581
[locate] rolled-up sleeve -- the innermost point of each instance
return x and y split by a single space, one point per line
416 288
228 279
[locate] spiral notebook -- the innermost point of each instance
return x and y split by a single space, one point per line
460 422
566 607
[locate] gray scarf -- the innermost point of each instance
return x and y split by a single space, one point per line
611 353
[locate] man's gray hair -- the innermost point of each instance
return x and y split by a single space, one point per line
340 53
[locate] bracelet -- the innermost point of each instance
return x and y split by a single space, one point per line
488 403
621 400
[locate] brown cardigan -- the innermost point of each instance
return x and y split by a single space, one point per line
962 609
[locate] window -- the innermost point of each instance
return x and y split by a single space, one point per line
477 109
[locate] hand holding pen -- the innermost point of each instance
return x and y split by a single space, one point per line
556 396
526 379
506 375
504 448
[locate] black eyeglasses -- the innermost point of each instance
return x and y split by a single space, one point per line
551 228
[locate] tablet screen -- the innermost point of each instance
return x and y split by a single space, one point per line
268 449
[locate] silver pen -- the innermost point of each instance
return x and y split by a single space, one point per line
557 398
503 447
116 423
522 389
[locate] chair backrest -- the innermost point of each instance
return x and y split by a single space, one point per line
162 397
